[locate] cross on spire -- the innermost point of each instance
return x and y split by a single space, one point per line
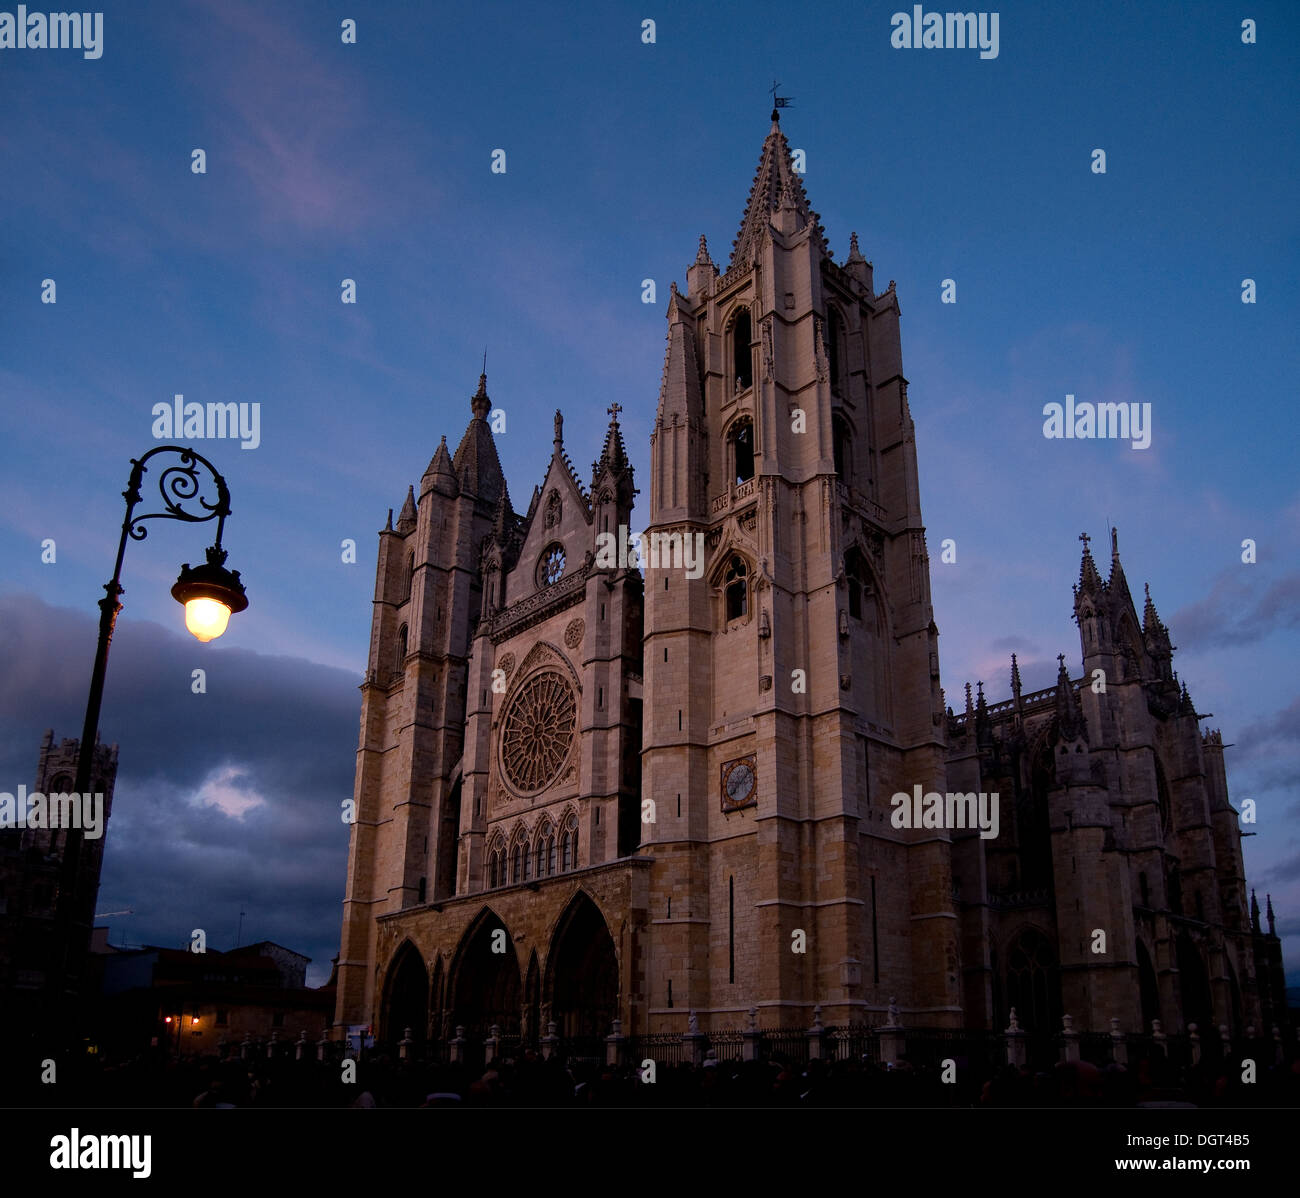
1085 538
614 409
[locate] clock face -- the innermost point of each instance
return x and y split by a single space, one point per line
738 779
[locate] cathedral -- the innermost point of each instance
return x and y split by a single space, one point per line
588 792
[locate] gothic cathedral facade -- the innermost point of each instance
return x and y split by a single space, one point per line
585 792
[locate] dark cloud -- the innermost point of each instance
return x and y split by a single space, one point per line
189 844
1236 612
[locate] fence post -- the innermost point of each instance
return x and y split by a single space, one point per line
1118 1046
321 1047
815 1035
614 1045
404 1046
1070 1049
492 1045
550 1041
749 1050
1015 1037
456 1047
694 1039
300 1049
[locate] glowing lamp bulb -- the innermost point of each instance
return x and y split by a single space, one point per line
206 618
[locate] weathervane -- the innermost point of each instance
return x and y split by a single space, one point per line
778 101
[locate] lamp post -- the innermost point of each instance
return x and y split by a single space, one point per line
210 594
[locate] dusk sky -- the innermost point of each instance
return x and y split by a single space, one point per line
372 162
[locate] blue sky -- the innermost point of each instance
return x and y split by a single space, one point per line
372 162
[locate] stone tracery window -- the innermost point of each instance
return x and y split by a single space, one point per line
538 731
736 589
569 844
551 568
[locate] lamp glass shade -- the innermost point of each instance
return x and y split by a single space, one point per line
206 618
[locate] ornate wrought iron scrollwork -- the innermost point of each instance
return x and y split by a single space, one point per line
178 485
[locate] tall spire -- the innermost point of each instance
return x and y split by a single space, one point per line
1268 898
775 182
1015 678
477 467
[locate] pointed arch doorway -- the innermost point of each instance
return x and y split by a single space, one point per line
406 996
483 984
582 974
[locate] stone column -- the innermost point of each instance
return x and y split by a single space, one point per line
300 1048
492 1045
270 1045
1195 1039
404 1046
456 1046
1226 1037
550 1041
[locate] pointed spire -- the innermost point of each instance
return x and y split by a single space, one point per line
855 254
776 182
1015 678
679 389
1117 582
1254 911
389 526
1089 579
1069 716
702 255
1150 617
558 442
406 521
440 475
475 463
613 455
1268 898
970 707
479 403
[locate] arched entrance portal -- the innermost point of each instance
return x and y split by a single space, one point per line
1194 984
406 996
1148 988
484 984
582 973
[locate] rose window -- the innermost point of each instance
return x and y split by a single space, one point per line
551 568
538 731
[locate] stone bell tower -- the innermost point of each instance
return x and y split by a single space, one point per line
792 688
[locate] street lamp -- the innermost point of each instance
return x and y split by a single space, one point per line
210 593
